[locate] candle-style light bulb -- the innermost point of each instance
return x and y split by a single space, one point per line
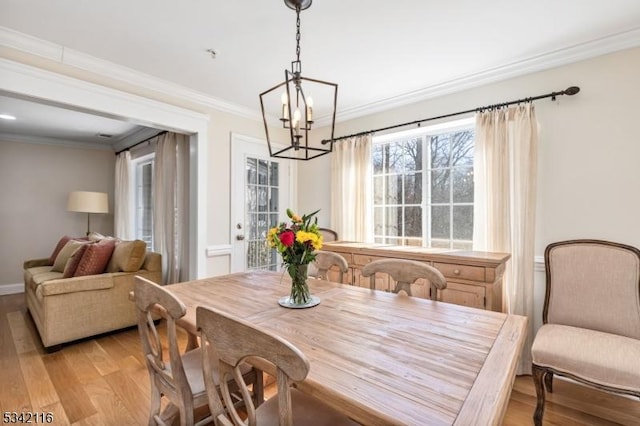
285 106
296 119
309 108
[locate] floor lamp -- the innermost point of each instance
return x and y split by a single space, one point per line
88 202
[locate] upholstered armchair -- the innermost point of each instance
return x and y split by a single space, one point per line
591 316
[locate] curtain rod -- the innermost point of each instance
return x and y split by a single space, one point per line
142 141
570 91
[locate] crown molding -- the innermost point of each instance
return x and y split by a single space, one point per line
41 140
99 66
609 44
64 55
29 44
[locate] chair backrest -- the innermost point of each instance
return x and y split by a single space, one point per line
230 341
328 234
593 284
169 378
404 273
325 260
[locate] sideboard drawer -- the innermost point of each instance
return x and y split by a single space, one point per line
464 272
363 259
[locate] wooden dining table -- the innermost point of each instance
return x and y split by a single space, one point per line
381 358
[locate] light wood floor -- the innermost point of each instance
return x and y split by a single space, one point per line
103 381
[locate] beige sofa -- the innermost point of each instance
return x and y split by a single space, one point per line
67 309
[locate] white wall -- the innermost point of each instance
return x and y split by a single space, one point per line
589 172
35 181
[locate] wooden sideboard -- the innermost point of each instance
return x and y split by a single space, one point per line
474 278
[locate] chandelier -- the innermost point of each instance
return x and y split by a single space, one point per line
290 106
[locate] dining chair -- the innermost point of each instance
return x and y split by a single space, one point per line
229 341
328 235
591 319
404 273
324 261
179 378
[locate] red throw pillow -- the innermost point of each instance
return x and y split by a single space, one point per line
95 258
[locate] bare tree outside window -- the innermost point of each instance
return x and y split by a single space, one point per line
423 190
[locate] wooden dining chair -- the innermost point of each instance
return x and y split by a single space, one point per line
328 235
229 341
324 261
179 378
404 273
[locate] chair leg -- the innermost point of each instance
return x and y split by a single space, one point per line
539 375
548 381
154 408
258 388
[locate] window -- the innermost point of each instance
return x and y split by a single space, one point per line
423 187
143 200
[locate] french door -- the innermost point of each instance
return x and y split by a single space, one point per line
261 188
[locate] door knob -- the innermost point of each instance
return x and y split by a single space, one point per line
239 237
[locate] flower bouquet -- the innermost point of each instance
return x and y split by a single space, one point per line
296 242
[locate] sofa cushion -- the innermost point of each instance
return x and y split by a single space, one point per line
45 276
74 261
65 254
29 273
598 357
95 258
128 256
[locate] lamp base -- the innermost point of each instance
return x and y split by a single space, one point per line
293 4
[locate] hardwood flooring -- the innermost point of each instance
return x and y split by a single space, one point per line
103 381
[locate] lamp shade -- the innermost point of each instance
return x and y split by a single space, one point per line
88 202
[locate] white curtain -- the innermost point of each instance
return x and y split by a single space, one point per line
122 217
351 189
505 169
170 216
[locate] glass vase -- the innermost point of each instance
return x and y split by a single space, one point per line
299 288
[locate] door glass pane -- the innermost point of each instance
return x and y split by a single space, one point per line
262 195
252 171
262 172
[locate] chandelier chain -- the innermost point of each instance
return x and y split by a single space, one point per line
298 33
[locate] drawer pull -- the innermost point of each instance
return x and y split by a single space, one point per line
456 271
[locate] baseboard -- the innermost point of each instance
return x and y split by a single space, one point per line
11 289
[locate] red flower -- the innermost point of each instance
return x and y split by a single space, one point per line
287 238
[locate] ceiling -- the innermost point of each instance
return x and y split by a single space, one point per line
380 53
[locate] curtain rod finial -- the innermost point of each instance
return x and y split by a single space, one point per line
572 90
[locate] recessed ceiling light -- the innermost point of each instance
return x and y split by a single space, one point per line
7 117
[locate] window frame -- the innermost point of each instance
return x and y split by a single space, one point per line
420 133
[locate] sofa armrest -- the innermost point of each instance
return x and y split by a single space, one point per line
32 263
76 284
